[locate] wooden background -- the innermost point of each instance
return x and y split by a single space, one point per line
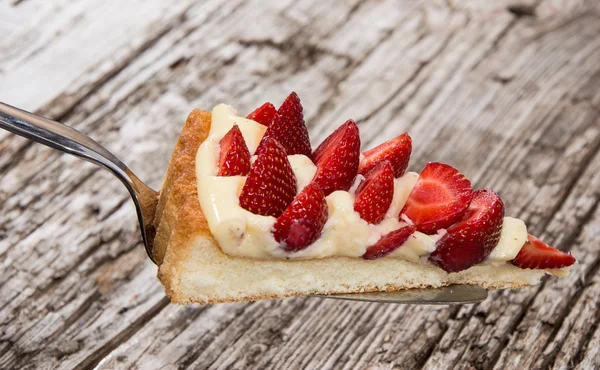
509 93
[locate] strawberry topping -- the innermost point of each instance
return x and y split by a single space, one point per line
374 195
439 199
263 114
288 128
389 243
397 151
235 157
536 254
470 241
337 159
442 198
271 183
303 220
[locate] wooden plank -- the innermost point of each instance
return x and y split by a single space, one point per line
70 291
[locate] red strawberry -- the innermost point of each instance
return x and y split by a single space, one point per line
337 159
470 241
263 114
375 193
439 199
389 243
397 151
235 157
536 254
271 183
288 128
303 220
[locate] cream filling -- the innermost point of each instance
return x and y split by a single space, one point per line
242 233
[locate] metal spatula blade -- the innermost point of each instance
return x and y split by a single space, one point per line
453 294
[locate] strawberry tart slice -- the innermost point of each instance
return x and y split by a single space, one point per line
249 210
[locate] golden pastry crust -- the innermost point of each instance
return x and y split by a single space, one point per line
193 269
178 214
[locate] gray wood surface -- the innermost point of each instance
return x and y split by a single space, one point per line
508 93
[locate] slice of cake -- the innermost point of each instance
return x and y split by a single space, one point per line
248 211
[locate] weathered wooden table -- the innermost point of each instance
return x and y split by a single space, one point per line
508 94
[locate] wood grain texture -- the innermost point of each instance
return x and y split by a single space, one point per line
505 91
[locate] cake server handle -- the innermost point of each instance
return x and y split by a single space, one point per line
67 139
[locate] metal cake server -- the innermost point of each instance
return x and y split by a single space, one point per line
71 141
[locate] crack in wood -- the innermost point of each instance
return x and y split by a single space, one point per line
95 357
523 9
360 333
463 321
497 40
302 54
76 315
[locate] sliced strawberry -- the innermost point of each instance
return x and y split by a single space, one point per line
235 157
302 221
536 254
337 159
470 241
389 243
397 151
271 183
374 195
439 199
288 128
263 114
